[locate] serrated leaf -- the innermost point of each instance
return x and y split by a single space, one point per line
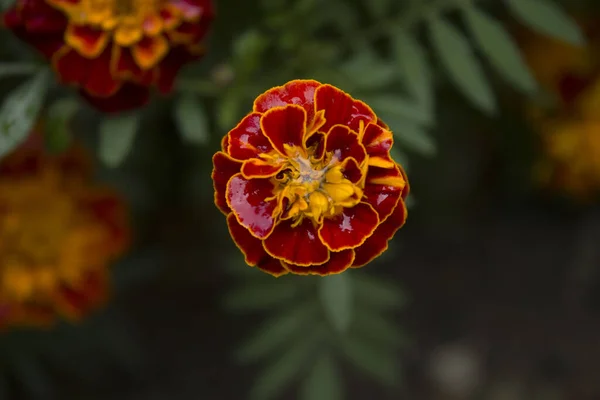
393 104
335 292
371 325
456 55
58 117
378 293
191 119
279 374
409 135
376 361
17 68
368 72
547 18
324 381
501 50
414 67
286 326
260 295
20 110
117 135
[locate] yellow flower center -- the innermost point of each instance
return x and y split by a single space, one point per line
315 188
44 241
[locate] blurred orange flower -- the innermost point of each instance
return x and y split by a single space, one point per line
114 50
58 234
570 134
307 182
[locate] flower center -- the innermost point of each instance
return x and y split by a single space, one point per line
315 188
40 240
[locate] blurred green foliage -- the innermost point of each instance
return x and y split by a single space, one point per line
392 55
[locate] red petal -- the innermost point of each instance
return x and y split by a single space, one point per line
109 208
71 67
246 140
338 262
344 143
349 229
251 247
129 97
224 167
125 67
383 198
317 142
352 170
88 41
377 140
40 17
377 243
246 198
284 126
101 82
406 189
298 245
341 108
300 92
257 168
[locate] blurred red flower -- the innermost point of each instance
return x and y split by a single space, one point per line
59 232
307 182
114 50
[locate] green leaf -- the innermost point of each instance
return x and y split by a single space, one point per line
279 374
335 292
455 54
547 18
324 381
117 135
261 295
59 116
499 47
248 49
286 326
20 110
410 135
191 119
393 104
378 293
378 8
414 67
367 71
375 361
228 108
372 325
17 68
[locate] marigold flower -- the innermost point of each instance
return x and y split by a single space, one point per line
58 234
114 50
570 134
307 182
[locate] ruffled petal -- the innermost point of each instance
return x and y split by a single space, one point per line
352 170
340 108
377 243
129 97
349 229
124 67
338 262
100 81
300 92
284 127
40 18
224 167
246 198
86 40
299 245
70 66
383 190
246 140
377 140
258 168
251 247
149 51
344 143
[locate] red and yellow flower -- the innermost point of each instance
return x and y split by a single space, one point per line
58 234
307 182
570 134
114 50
